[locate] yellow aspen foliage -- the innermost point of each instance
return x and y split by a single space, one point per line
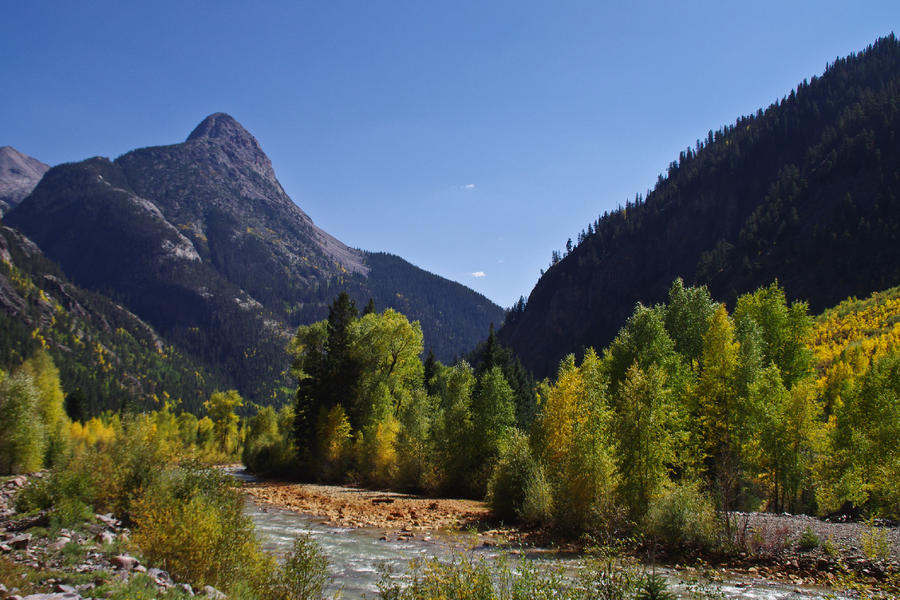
333 434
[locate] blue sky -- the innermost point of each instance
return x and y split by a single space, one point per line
471 138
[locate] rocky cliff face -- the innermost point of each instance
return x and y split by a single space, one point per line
200 239
19 173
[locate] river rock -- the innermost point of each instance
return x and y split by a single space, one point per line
160 577
108 520
105 538
19 542
60 596
60 543
65 589
211 592
123 561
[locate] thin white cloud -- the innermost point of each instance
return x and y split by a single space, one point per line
469 186
478 274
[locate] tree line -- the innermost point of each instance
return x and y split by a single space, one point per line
691 405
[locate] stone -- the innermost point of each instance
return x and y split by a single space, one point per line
19 542
123 561
105 538
185 588
108 520
65 589
211 592
59 543
160 577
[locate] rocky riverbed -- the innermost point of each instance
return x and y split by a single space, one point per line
794 549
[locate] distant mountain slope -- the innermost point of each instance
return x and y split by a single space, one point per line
105 354
200 240
807 191
19 173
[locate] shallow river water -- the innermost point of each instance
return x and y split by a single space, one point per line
355 554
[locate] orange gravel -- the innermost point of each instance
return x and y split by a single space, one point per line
354 507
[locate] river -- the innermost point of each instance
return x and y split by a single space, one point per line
354 557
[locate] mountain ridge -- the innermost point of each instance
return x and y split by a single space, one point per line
805 192
199 239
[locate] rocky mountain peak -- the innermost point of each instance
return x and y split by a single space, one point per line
19 173
222 127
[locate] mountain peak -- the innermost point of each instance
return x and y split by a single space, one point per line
19 173
222 127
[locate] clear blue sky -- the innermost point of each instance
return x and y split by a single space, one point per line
469 137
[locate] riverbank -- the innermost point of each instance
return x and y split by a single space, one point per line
796 549
356 507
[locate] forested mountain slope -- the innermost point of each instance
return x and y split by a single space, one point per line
806 192
108 358
200 240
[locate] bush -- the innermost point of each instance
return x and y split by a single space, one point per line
69 493
303 574
682 516
808 540
22 436
268 448
510 483
191 523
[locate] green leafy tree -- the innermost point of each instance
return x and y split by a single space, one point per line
454 427
687 316
575 443
644 426
51 404
221 407
22 438
718 405
779 442
784 330
493 417
865 459
386 348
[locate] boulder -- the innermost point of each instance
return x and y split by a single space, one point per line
160 577
105 538
123 561
60 543
211 592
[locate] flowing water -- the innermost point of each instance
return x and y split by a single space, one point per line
355 555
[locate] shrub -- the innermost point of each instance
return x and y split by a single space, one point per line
808 540
268 447
514 473
655 588
22 439
876 544
682 516
303 574
191 523
538 504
